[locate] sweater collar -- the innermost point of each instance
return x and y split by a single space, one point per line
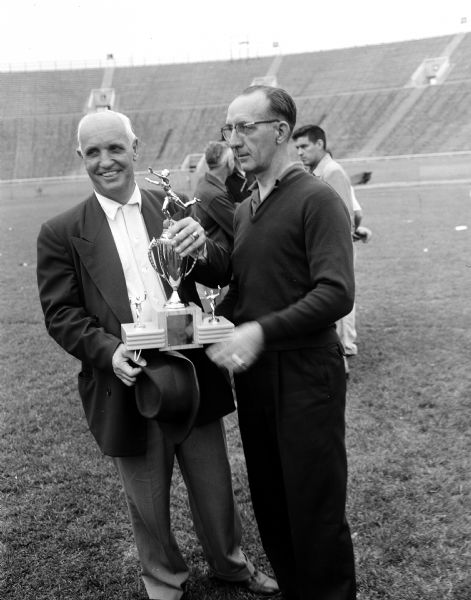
285 176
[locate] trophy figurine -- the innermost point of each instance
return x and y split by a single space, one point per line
137 301
140 335
211 295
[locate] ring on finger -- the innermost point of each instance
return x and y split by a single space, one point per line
238 361
195 235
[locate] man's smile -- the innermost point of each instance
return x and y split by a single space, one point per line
110 174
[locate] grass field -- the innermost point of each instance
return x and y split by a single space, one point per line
64 529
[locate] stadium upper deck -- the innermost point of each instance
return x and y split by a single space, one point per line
362 96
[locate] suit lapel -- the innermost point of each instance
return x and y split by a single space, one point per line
100 257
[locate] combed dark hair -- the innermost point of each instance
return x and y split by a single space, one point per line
281 103
312 132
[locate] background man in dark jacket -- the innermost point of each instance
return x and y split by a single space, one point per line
215 210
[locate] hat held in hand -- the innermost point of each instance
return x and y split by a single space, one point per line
167 390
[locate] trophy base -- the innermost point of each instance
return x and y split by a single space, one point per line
177 329
180 325
212 330
147 335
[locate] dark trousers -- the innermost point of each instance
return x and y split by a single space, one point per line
291 412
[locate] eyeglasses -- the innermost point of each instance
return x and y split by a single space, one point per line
243 128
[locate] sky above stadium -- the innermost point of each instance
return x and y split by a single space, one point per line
137 31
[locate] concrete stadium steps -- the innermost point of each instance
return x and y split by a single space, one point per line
193 84
440 121
167 135
461 61
46 92
39 147
355 69
176 109
349 119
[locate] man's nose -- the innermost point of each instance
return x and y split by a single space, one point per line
234 139
105 157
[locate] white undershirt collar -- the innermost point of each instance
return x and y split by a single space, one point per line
111 207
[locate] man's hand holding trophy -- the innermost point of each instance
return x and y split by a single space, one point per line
173 256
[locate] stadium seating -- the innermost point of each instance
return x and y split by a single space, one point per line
355 69
37 93
440 121
461 63
187 85
177 108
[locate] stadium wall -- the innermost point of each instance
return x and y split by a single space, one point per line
395 171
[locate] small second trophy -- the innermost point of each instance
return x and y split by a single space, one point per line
177 325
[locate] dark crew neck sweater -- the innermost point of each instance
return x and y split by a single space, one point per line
293 263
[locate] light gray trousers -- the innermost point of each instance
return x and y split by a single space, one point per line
146 480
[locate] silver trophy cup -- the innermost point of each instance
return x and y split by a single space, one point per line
170 266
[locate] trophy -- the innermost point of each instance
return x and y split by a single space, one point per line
183 325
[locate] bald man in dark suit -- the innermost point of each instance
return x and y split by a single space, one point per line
92 260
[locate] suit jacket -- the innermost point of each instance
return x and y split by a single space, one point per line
215 210
238 185
84 299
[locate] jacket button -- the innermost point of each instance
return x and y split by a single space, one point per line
108 391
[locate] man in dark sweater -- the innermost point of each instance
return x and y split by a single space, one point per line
292 280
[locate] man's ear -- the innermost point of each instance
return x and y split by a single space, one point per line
134 147
284 132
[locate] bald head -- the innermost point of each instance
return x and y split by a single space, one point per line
108 147
98 119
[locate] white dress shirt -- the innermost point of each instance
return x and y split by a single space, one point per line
132 242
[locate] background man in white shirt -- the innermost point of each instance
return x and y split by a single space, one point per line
311 144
